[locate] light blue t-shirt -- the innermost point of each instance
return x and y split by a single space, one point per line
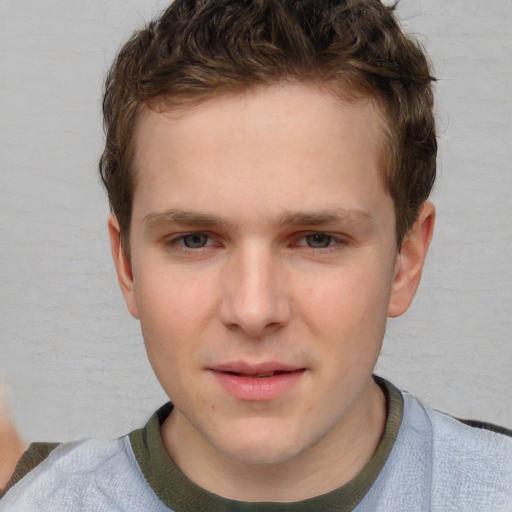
437 464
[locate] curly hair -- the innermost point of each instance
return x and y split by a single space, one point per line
199 48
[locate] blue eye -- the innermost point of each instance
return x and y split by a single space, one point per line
195 240
319 240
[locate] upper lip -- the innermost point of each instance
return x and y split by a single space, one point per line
245 368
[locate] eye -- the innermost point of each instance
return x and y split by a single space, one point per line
319 240
195 244
194 240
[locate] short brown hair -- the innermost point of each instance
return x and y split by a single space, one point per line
199 48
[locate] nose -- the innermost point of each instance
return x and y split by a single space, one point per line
254 299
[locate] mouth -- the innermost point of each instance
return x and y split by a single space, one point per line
263 375
261 382
256 371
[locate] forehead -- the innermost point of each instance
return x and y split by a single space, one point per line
269 138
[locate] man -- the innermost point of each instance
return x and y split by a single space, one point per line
268 165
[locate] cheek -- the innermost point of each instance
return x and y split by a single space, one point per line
174 319
352 299
169 299
175 316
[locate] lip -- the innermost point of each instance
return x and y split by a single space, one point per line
249 382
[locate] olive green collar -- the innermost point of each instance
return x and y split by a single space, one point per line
180 494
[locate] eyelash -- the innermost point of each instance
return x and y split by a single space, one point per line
334 242
178 242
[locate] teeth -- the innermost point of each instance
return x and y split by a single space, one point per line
263 375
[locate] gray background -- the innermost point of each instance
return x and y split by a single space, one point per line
73 356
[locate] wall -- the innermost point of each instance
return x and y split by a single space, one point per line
74 357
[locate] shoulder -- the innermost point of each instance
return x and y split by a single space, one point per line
448 430
491 427
67 474
477 439
471 461
74 457
33 456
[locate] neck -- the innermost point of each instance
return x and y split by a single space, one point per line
329 464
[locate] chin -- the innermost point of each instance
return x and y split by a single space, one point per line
263 447
262 455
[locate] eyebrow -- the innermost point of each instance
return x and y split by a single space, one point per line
307 218
184 217
320 217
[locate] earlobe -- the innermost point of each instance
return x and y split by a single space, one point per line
123 265
410 261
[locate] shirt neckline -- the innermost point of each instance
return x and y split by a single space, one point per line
179 493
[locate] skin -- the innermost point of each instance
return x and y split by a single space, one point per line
261 233
11 446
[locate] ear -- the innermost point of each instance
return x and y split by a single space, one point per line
410 261
123 265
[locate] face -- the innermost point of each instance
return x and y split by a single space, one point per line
262 265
